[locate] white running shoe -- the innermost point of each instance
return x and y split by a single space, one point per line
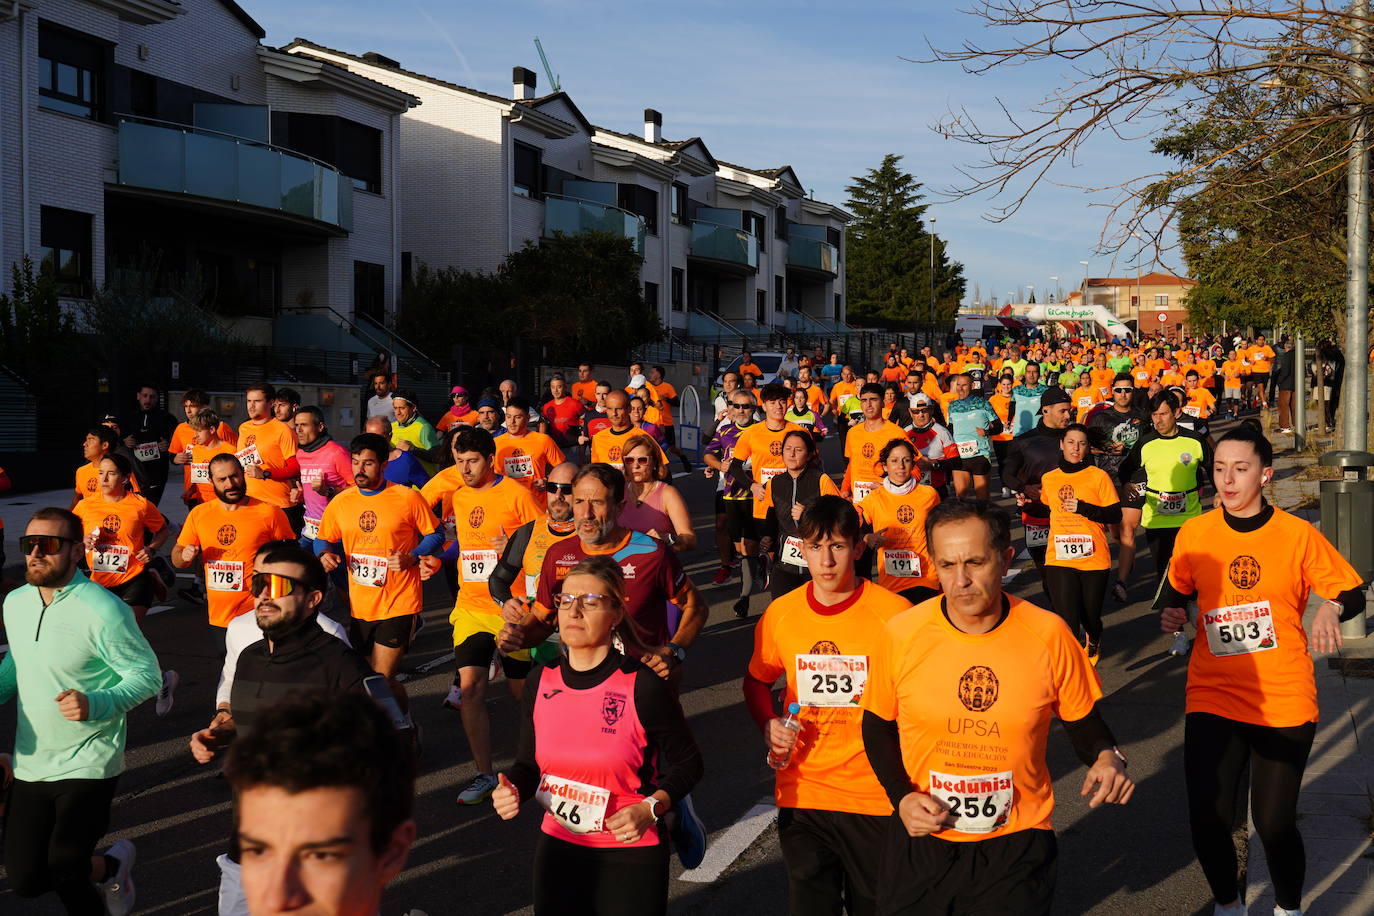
118 889
166 696
1181 645
477 791
454 700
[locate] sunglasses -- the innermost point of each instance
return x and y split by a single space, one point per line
563 488
638 459
1119 390
277 586
744 406
47 544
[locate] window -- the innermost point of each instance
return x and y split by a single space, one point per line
651 295
838 309
761 306
525 181
756 226
677 203
65 250
352 148
142 94
642 202
679 281
780 223
369 291
778 294
69 72
1162 301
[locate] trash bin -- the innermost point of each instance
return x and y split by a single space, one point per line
1347 507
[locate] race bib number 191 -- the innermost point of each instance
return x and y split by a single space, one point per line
903 563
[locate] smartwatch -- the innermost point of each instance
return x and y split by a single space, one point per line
652 804
679 653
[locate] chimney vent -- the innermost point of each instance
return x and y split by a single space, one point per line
653 126
381 60
524 83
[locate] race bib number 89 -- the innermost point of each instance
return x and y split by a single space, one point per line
580 808
477 565
980 804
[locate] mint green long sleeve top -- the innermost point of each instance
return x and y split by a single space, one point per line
86 639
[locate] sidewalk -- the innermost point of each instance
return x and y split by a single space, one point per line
1336 806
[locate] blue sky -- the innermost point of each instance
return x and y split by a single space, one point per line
818 86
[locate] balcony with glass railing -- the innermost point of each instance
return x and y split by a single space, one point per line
181 159
575 215
727 244
812 254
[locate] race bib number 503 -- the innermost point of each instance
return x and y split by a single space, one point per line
1240 629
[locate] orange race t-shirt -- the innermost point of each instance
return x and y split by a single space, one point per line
1001 405
893 373
762 448
1076 541
481 515
903 560
371 529
1250 661
228 540
842 390
1084 399
824 653
1234 372
584 391
863 453
662 392
608 445
1200 403
1102 380
184 437
438 491
973 711
527 459
199 469
121 525
1261 357
1142 376
88 481
271 445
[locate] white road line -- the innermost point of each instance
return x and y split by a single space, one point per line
159 609
732 844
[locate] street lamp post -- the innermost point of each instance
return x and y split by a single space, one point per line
1356 406
1140 253
931 316
1085 281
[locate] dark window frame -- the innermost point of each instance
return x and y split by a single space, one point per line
651 294
87 56
641 201
761 306
524 179
780 223
677 203
779 293
756 224
65 250
369 290
677 292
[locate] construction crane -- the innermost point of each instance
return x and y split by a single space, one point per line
554 85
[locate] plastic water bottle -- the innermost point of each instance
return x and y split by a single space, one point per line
780 761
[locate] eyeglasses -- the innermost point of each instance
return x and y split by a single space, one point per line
590 601
563 488
638 459
47 544
277 586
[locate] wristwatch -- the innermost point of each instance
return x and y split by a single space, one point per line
652 804
1120 755
678 652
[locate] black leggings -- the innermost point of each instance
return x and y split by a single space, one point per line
51 829
572 880
1215 751
1077 595
784 577
1161 541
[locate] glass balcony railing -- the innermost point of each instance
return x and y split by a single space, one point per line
573 216
186 160
724 243
812 253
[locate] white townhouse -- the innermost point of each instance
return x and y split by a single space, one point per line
482 174
138 127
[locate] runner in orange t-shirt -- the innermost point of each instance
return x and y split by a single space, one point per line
819 640
379 530
608 444
761 444
896 511
100 442
525 456
227 532
267 451
584 389
205 445
864 443
114 522
1083 501
183 437
1251 695
957 716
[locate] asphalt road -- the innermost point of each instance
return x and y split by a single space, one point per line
1136 859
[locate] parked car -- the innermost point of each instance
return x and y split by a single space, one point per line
768 361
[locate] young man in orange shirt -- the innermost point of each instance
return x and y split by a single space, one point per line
819 638
183 438
760 445
267 451
667 399
523 455
864 443
584 389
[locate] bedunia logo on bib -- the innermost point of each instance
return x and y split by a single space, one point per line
970 785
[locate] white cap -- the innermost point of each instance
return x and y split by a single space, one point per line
638 381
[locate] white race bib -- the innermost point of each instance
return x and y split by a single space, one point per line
450 529
311 528
365 569
831 680
861 489
968 449
580 808
110 558
1037 535
767 474
792 552
903 563
519 465
224 575
477 565
1084 403
1240 629
980 804
1171 503
1193 411
249 455
1073 546
149 452
200 472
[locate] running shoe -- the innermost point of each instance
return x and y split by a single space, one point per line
477 791
454 700
722 576
118 889
688 834
1119 593
1181 644
742 608
166 695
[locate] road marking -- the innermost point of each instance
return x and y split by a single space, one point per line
426 667
159 609
732 844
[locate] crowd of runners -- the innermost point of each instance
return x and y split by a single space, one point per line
903 697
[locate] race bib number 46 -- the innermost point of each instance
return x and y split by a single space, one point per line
903 563
980 804
580 808
1073 546
831 680
1240 629
224 575
477 565
367 570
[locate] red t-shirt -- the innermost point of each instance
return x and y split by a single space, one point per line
564 416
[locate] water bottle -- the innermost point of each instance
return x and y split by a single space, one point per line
780 761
